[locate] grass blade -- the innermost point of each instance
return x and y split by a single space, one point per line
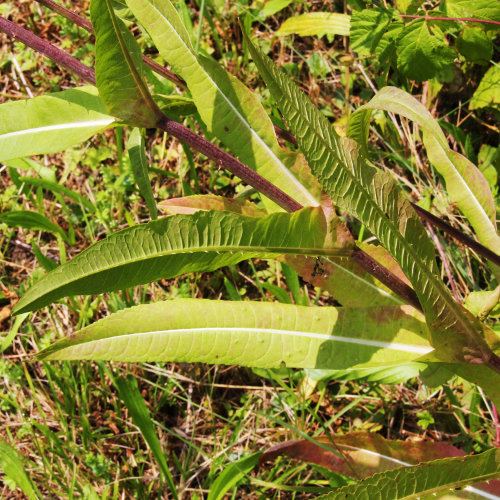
231 475
13 468
130 395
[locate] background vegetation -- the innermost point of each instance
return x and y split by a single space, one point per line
67 420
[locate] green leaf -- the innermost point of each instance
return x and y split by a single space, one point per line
183 244
367 28
44 172
175 105
475 45
386 49
488 91
422 54
32 220
478 9
316 24
130 395
46 262
137 155
229 109
274 6
51 123
258 334
118 69
372 196
427 478
466 185
231 475
348 283
12 467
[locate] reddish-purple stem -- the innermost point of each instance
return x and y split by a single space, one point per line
458 235
462 19
47 49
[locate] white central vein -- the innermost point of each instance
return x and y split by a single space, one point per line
395 346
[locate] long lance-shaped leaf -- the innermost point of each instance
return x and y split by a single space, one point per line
51 123
182 244
373 197
259 334
465 183
228 108
428 478
118 69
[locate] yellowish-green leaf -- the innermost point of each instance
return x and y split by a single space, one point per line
257 334
465 183
317 23
51 123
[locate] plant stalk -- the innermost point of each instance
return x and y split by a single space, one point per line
47 49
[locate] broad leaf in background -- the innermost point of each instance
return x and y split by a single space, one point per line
258 334
475 45
372 196
118 69
33 220
488 91
466 185
423 51
316 23
427 478
362 454
478 9
138 162
229 109
51 123
367 28
183 244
